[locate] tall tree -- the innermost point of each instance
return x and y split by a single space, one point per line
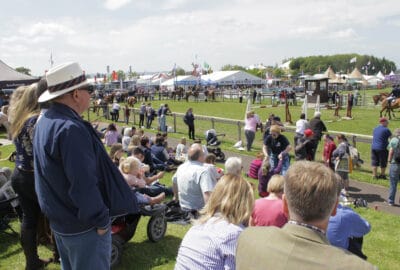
24 70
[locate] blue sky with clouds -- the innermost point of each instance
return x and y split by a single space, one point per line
152 35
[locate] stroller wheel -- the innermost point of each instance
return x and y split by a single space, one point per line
116 250
156 228
221 156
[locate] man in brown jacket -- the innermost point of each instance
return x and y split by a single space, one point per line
311 197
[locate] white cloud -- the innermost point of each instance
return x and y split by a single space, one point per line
115 4
46 29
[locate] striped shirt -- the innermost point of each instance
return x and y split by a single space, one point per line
211 245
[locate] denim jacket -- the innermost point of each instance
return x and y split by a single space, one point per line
78 186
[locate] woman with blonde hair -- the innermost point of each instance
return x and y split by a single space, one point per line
268 211
211 242
25 112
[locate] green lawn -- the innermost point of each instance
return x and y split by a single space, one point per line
381 245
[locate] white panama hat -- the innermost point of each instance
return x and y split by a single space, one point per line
63 79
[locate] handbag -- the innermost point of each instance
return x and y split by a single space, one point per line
343 164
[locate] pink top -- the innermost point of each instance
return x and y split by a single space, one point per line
268 213
111 137
254 167
134 181
251 124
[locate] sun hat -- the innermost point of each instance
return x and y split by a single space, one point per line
308 132
317 114
63 79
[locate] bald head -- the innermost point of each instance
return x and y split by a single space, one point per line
195 152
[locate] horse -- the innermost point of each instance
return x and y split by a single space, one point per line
381 97
194 93
210 93
177 93
131 101
388 108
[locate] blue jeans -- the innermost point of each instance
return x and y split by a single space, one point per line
285 163
87 250
394 175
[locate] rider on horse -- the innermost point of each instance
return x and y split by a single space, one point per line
394 94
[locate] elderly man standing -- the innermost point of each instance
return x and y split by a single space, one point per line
310 198
79 188
193 181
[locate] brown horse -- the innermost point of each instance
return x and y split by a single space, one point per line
388 108
131 101
381 97
210 93
194 93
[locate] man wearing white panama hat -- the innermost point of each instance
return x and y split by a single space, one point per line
78 186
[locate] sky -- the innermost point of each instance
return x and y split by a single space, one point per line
153 35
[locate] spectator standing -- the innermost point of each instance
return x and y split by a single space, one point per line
164 110
394 172
79 188
342 153
25 110
115 111
379 152
301 125
142 113
329 147
240 92
304 148
150 113
211 242
276 146
188 119
127 113
250 128
310 198
318 127
346 229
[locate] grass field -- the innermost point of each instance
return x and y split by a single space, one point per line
380 245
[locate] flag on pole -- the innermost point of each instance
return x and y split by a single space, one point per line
353 60
317 105
305 106
51 59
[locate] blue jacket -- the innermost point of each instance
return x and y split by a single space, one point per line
78 186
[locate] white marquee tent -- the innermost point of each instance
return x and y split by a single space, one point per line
232 77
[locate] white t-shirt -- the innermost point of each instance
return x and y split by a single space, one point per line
301 125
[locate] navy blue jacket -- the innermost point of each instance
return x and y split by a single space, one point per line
78 186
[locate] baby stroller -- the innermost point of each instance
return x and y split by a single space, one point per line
213 143
9 207
124 228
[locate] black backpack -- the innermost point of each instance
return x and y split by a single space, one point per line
396 152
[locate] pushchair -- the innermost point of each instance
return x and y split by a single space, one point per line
213 143
124 228
9 208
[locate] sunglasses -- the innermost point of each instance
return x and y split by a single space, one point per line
89 88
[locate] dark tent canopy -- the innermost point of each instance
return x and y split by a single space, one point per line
10 78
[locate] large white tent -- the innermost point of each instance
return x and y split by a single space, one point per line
232 77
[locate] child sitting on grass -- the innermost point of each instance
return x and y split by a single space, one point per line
255 166
265 173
